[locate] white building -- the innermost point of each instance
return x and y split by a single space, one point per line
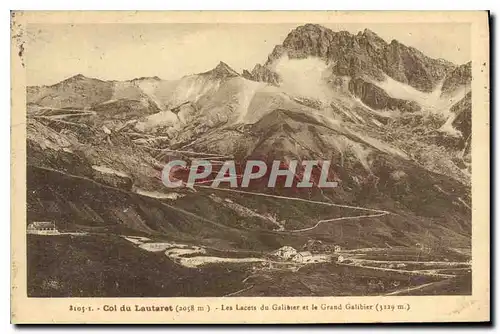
303 257
285 252
42 228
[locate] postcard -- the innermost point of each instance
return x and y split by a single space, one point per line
250 167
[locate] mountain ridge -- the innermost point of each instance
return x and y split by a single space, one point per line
362 54
186 108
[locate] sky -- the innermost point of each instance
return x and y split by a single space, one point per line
55 52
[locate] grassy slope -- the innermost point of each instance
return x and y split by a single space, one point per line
109 266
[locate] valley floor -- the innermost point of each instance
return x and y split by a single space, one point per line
107 265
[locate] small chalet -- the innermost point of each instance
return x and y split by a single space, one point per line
42 228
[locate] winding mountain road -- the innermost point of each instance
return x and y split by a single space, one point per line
376 212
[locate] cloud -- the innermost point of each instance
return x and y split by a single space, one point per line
304 77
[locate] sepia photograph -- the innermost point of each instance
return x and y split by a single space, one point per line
292 158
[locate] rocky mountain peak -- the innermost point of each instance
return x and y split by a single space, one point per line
79 76
459 76
310 28
153 78
223 70
76 78
373 39
307 40
362 55
262 73
368 32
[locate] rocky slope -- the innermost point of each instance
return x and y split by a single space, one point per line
394 123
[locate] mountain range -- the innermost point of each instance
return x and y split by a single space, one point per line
395 123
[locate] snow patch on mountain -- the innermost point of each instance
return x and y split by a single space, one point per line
381 113
346 146
159 195
149 88
448 128
381 146
107 170
192 88
246 96
432 101
163 118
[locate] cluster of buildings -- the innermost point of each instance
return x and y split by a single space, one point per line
289 253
